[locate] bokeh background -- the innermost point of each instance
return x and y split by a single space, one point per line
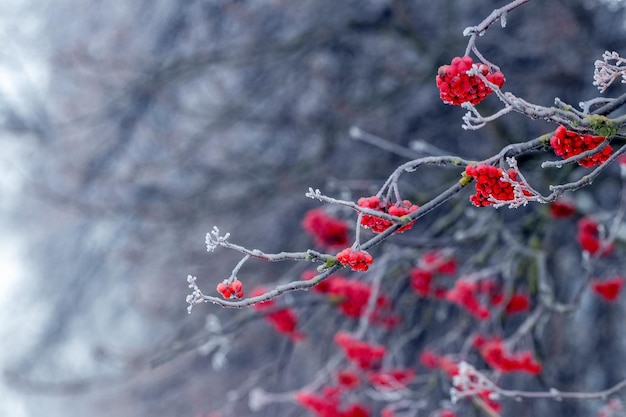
130 128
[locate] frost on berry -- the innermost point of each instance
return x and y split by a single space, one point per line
491 186
356 260
379 225
457 87
567 144
230 290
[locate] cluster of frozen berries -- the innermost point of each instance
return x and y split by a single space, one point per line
567 144
233 289
450 366
356 260
490 185
457 87
378 225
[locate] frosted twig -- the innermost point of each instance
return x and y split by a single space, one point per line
606 72
479 30
214 239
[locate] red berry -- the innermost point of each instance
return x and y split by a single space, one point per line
356 260
378 225
456 87
489 184
224 290
237 288
608 289
567 144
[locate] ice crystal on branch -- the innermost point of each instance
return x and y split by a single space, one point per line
609 69
196 296
213 239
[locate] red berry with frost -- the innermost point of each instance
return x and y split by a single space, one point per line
356 260
224 290
490 184
379 225
457 87
567 144
237 288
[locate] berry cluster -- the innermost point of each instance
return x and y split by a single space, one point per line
325 229
589 238
457 87
356 260
393 379
234 289
467 294
284 320
518 302
608 289
422 276
431 360
362 354
490 185
378 225
328 404
567 144
495 354
464 294
352 296
562 209
367 359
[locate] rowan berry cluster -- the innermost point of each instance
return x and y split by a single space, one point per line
328 404
468 294
497 356
352 297
588 237
562 209
393 379
230 290
457 87
609 288
356 260
431 360
378 225
464 294
431 264
284 320
367 359
567 144
362 354
325 229
490 185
